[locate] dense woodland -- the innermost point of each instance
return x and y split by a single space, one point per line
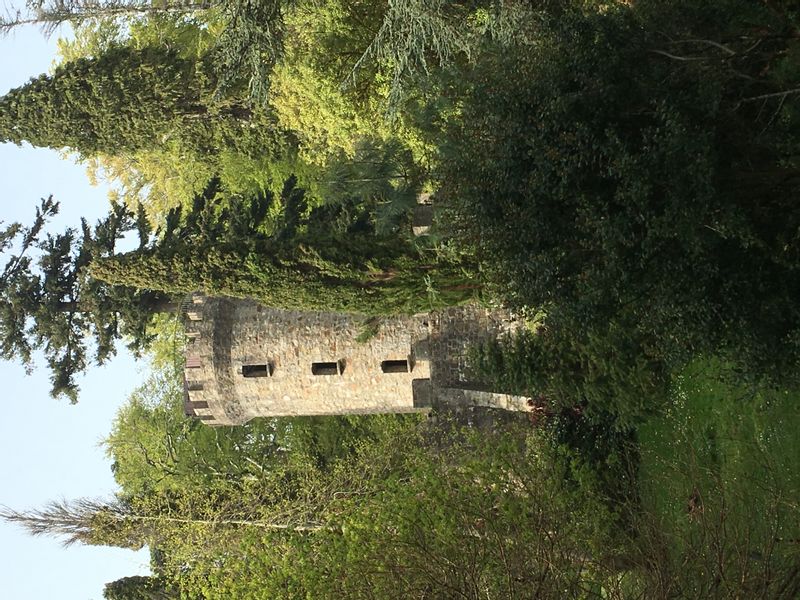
624 175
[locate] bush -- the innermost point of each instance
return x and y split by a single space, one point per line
625 190
604 374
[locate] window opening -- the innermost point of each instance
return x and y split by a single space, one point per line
327 368
395 366
262 370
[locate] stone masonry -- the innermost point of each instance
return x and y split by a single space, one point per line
244 360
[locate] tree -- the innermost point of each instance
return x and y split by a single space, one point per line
637 174
124 99
50 14
182 519
380 175
248 46
419 514
50 303
326 258
415 33
156 449
139 587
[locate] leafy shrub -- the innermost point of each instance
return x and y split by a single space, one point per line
625 189
605 375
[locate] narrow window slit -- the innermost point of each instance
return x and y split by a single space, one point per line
262 370
395 366
327 368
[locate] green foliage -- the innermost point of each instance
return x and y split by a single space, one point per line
50 14
600 373
308 90
156 449
327 441
629 168
381 177
305 89
238 139
125 99
145 116
719 482
250 43
369 329
138 587
589 397
50 303
414 31
614 184
251 176
411 519
251 157
326 258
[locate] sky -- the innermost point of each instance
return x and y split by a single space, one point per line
50 449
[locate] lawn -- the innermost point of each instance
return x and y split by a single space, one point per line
720 483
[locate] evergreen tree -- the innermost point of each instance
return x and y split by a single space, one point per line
327 258
249 43
125 99
50 14
50 303
139 587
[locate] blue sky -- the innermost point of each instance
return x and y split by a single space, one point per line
50 449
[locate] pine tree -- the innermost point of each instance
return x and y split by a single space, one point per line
50 14
50 303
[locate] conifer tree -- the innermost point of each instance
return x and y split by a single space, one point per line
49 14
49 303
308 261
125 99
249 42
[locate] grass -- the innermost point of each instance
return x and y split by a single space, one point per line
744 439
719 480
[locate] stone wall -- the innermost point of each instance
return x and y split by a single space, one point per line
233 336
454 332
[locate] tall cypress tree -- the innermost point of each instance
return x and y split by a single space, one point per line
328 258
226 251
125 99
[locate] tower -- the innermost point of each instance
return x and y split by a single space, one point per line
245 360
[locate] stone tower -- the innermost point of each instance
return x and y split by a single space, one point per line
244 360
